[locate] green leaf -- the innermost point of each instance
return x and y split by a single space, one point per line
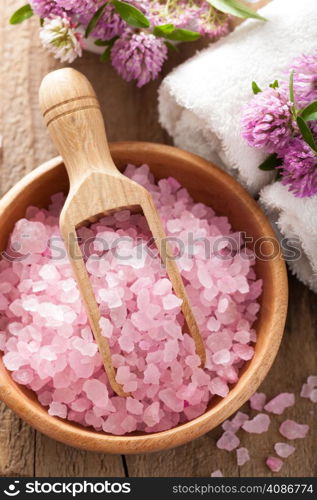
102 43
292 95
235 8
306 133
131 15
274 85
171 46
163 30
21 14
182 35
105 56
291 88
94 20
271 162
256 89
310 112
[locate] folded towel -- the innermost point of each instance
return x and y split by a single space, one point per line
296 222
200 101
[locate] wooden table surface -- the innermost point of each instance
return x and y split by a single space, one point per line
131 114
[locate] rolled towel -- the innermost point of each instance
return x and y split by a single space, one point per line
200 102
296 222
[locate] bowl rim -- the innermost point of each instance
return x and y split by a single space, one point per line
84 438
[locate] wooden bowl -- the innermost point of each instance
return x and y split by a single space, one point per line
209 185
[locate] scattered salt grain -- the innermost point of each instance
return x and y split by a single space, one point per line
257 425
257 401
284 450
228 441
242 456
292 430
312 380
216 473
278 404
274 464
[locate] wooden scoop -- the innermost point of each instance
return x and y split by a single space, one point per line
73 117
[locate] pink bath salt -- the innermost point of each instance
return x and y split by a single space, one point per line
219 387
151 374
257 401
45 398
129 424
57 410
134 406
228 441
170 399
213 325
171 302
312 381
242 336
171 351
306 391
85 348
284 450
292 430
278 404
257 425
219 341
48 343
81 404
242 456
49 273
216 473
96 391
221 357
274 464
244 351
13 361
29 237
151 415
236 422
162 287
64 395
313 396
23 376
309 390
239 419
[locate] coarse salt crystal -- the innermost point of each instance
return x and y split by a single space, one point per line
278 404
57 410
274 464
228 441
216 473
171 302
257 425
284 450
257 401
292 430
242 456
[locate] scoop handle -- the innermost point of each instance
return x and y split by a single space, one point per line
72 114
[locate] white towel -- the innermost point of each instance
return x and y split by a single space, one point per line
200 102
296 221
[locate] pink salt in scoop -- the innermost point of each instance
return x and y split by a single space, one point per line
45 334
